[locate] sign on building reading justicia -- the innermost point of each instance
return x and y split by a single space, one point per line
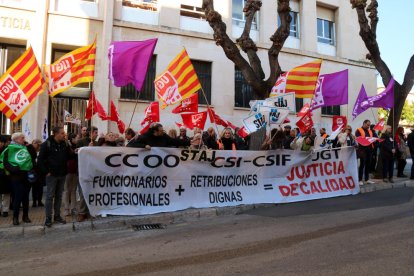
14 23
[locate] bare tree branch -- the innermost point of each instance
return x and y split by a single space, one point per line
368 35
373 16
279 38
246 43
231 50
409 76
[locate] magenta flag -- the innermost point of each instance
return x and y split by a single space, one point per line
384 100
129 61
331 89
362 96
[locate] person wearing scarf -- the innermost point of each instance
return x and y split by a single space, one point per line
18 163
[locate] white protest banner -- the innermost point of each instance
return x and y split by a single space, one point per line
254 105
286 100
274 116
255 122
130 181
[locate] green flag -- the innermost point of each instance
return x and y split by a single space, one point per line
18 156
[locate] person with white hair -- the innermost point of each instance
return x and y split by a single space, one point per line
16 160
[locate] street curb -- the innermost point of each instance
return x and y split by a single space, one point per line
125 222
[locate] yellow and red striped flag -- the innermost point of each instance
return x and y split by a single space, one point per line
73 68
178 82
20 86
301 80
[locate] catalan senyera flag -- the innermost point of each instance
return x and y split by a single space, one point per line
73 68
301 80
178 82
20 85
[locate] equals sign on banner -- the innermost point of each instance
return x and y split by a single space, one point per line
268 186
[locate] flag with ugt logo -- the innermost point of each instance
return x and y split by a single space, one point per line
197 120
152 114
73 68
20 85
301 80
178 82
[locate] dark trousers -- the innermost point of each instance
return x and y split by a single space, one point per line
400 166
54 185
37 192
364 166
21 190
387 167
412 166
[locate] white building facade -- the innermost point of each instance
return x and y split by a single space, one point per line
326 29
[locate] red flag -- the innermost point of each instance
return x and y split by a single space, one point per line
145 129
115 118
286 121
337 121
304 110
187 105
305 123
242 132
195 120
179 125
94 106
380 125
366 141
231 125
152 113
216 118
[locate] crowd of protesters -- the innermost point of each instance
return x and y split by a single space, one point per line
54 163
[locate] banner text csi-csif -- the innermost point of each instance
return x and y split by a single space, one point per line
130 181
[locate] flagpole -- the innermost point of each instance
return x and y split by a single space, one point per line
208 108
133 112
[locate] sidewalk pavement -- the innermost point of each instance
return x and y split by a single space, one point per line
37 215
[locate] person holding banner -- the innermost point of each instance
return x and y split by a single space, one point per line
156 137
226 141
275 141
210 139
387 152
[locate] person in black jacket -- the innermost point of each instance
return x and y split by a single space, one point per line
387 152
52 160
210 139
156 137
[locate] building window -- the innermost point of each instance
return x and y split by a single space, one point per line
326 31
192 11
238 16
148 91
150 5
331 110
243 93
299 104
8 55
294 24
203 70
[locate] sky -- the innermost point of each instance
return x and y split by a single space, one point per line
395 35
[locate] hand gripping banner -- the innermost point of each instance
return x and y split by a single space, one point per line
130 181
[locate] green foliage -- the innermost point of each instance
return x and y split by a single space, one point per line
407 114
